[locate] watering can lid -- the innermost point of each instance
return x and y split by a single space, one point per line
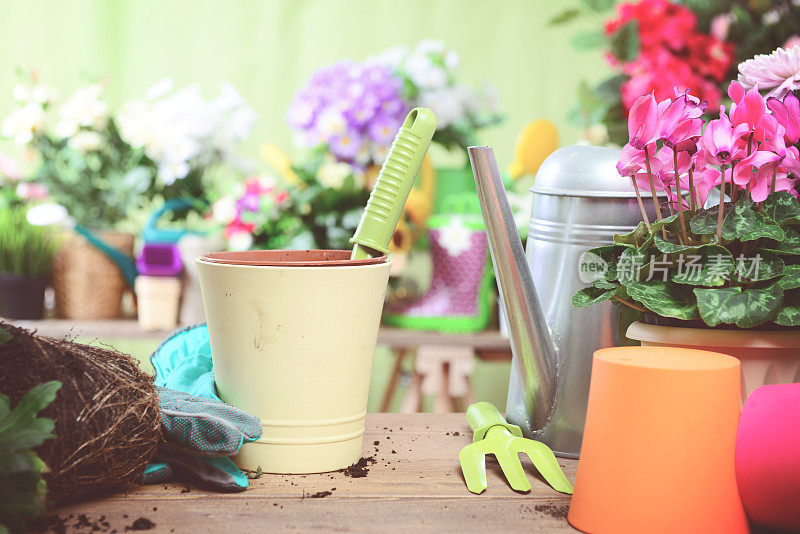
583 171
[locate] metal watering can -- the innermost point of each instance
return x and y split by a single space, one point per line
579 202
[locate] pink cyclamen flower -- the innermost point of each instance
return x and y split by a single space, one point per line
779 71
681 124
643 122
748 108
787 113
720 140
631 160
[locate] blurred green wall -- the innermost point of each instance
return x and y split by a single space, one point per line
268 48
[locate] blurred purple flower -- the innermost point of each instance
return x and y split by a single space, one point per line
348 106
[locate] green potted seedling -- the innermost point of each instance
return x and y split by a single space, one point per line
26 258
719 269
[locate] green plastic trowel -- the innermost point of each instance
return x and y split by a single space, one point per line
395 180
493 435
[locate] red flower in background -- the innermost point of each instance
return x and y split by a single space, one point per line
673 53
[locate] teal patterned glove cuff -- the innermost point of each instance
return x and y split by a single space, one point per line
204 427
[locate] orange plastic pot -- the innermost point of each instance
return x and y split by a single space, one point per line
659 442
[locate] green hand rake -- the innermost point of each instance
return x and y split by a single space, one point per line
493 435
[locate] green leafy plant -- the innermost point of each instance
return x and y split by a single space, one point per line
329 200
22 489
749 277
24 249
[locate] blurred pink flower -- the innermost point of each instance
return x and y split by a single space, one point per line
791 42
8 168
779 71
31 191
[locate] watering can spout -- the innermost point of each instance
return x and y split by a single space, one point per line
535 353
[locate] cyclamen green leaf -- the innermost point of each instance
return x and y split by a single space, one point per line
789 315
711 265
790 278
788 246
732 305
671 223
637 238
758 267
664 298
705 221
670 248
591 295
782 208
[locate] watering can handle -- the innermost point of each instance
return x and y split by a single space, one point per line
482 416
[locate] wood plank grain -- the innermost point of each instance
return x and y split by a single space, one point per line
414 485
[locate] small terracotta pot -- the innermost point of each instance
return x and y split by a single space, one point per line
767 356
293 335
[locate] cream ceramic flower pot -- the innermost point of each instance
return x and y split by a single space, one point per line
768 357
292 336
158 300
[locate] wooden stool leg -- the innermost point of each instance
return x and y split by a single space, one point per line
412 402
391 385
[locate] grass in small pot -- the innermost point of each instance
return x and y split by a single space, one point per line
24 249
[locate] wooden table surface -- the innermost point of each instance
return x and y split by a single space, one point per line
414 485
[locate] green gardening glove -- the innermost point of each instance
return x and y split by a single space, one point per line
199 430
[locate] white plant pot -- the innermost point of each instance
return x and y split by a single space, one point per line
293 345
158 301
768 357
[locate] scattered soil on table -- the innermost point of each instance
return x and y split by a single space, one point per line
141 524
556 512
359 469
56 523
376 442
187 489
319 494
456 433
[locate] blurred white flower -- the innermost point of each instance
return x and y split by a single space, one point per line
430 46
451 60
83 109
393 57
445 103
86 141
169 171
597 134
23 123
39 93
159 89
455 238
424 73
240 240
333 173
223 210
331 122
178 129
